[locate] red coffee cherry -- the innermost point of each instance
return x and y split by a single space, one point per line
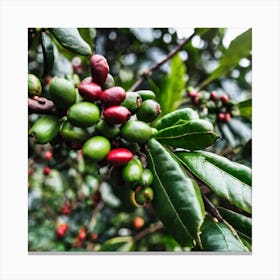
66 208
116 114
138 222
214 96
82 234
112 96
89 90
61 230
99 68
221 117
193 94
227 117
224 98
48 155
119 156
46 170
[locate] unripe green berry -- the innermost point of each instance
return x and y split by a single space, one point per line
132 101
96 148
108 130
83 114
146 178
146 94
34 85
148 111
132 172
145 195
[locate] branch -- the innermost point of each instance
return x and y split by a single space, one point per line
149 71
152 228
40 105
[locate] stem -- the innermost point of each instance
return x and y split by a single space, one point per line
40 105
211 209
96 211
149 71
152 228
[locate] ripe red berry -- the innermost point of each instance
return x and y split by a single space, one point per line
193 94
112 96
89 90
99 68
116 114
138 222
66 208
48 155
96 197
227 117
214 96
61 230
82 234
46 170
224 98
221 117
119 156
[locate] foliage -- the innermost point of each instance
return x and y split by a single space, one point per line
198 149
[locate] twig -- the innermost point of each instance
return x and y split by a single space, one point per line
152 228
149 71
212 210
40 105
96 211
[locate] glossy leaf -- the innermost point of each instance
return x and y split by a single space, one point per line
177 198
171 95
71 39
242 128
227 179
239 48
245 108
119 244
192 135
228 135
238 221
172 118
48 53
218 237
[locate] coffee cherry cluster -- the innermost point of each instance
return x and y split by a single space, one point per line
220 106
109 125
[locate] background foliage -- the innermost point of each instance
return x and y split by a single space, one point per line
71 192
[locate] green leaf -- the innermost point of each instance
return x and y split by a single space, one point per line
48 53
241 128
245 108
171 95
88 35
218 237
172 118
120 244
239 48
177 198
228 135
238 221
71 39
192 135
226 178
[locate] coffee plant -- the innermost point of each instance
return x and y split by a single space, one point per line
122 160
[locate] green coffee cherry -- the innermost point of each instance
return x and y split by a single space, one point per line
45 129
96 148
62 92
146 94
83 114
34 85
109 82
74 79
70 132
136 131
145 195
132 172
132 101
146 178
148 111
107 130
